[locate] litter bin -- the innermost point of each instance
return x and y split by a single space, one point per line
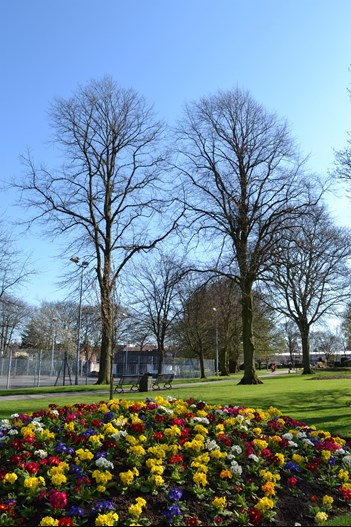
145 384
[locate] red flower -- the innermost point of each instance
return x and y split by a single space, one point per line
158 435
65 521
31 468
292 482
255 515
192 521
58 500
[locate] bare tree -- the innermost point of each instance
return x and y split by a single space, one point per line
13 315
244 181
156 296
15 268
108 198
311 274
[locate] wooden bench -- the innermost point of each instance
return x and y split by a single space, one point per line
133 381
163 378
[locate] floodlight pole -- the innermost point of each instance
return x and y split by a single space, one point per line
82 266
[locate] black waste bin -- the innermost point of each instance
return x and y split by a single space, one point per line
145 384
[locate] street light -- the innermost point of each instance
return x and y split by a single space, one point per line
216 364
82 266
54 320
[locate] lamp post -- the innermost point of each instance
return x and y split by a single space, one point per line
54 320
82 266
216 363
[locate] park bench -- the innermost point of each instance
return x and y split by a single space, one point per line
131 381
165 379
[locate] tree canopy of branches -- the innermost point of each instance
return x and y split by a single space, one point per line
311 276
244 181
107 199
156 296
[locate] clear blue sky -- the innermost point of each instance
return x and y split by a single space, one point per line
292 55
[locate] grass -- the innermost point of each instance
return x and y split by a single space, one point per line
323 400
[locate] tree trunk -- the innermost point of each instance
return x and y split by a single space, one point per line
305 341
106 339
250 376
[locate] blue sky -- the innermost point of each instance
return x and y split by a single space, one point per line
292 55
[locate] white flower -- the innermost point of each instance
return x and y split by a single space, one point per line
5 424
288 436
14 416
346 461
211 444
237 449
293 444
41 453
236 469
308 442
254 458
13 432
104 463
120 433
202 420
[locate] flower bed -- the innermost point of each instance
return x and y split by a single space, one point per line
169 462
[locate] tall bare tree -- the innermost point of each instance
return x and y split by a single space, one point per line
244 181
108 198
311 273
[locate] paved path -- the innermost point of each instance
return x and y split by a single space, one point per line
4 398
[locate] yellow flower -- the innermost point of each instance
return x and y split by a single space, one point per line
220 503
102 477
10 477
343 475
173 431
257 431
265 504
325 455
157 469
69 426
260 444
58 479
298 459
279 459
108 519
135 509
33 482
100 488
109 429
200 479
48 520
321 517
83 454
269 476
157 480
200 429
137 450
327 500
126 477
217 454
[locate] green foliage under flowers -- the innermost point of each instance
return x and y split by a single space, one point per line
167 461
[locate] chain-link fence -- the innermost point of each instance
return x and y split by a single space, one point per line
36 371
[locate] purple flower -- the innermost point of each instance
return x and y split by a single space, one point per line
175 494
